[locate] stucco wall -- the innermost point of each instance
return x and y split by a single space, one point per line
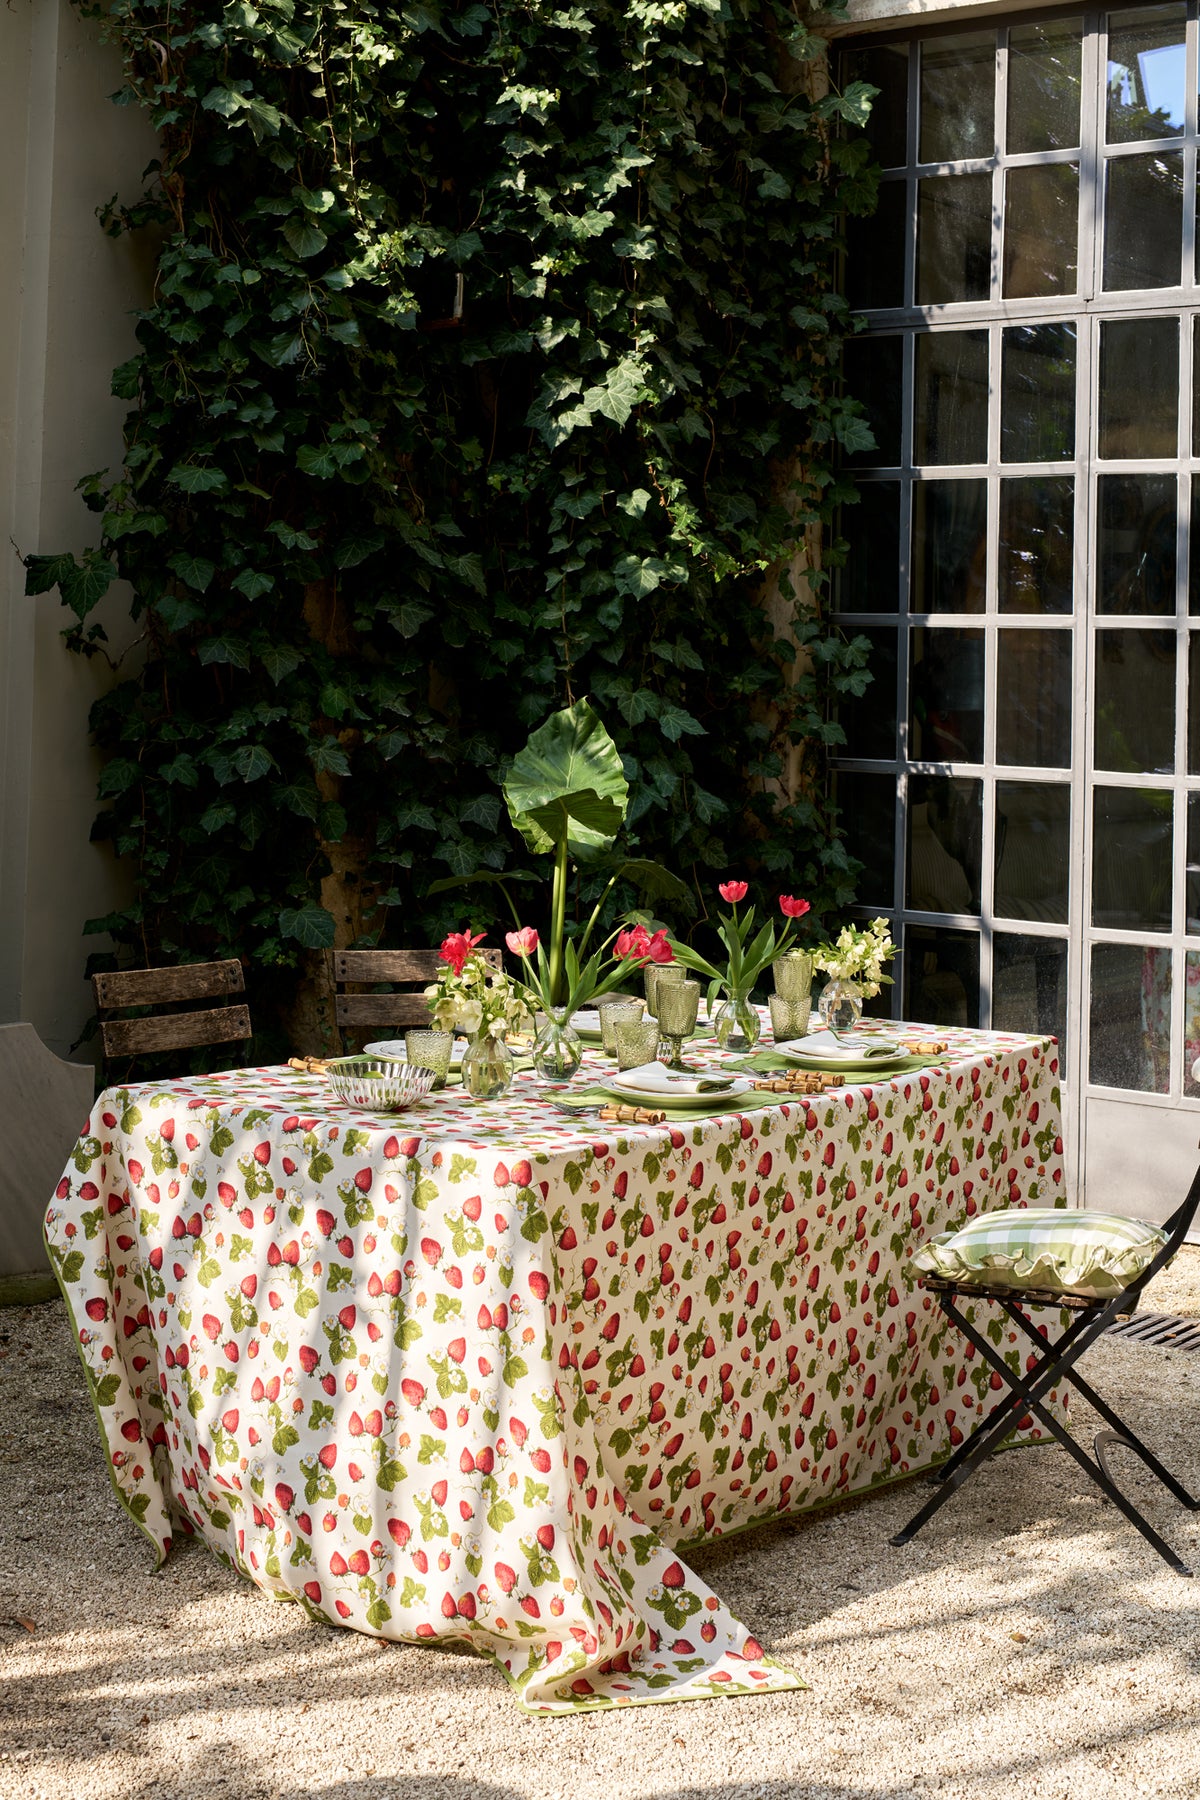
892 15
67 293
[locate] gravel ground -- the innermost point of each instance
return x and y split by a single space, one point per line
1029 1641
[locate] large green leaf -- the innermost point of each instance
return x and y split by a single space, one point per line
567 785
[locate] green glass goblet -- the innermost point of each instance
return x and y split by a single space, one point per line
678 1004
660 975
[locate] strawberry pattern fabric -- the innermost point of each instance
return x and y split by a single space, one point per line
483 1372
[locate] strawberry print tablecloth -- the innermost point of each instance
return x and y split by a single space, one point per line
483 1371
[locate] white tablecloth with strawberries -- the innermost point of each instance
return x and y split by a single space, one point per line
484 1371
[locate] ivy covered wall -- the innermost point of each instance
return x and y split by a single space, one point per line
493 360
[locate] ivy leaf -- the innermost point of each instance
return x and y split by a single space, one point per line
853 433
194 478
318 460
253 583
310 925
252 762
355 548
196 571
328 757
305 239
279 660
225 650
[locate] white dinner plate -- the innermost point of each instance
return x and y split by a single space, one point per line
660 1092
394 1047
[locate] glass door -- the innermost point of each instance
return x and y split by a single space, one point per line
1022 778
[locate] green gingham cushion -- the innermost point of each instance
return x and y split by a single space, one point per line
1058 1250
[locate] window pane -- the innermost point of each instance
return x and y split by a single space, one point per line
945 836
1146 85
946 700
1033 850
951 397
867 808
1033 698
873 369
1037 393
1135 701
1029 985
1135 544
1194 550
875 250
1130 1037
1036 551
1131 858
954 238
1193 870
1139 387
958 97
941 976
886 68
869 719
1193 761
1044 64
869 581
1041 230
1191 1020
1143 222
949 546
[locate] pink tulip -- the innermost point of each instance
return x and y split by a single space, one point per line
659 950
793 909
457 947
733 891
523 942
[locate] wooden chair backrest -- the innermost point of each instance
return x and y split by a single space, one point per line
125 988
372 968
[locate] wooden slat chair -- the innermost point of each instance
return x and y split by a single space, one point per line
147 1033
383 1008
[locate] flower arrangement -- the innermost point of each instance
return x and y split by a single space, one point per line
470 996
576 981
746 955
857 955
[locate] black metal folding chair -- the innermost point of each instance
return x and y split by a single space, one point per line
1026 1393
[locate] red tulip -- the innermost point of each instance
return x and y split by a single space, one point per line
732 891
793 909
456 948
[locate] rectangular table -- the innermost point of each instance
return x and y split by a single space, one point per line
482 1371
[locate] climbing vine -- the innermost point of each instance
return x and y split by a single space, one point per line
492 360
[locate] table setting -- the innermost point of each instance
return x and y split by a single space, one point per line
479 1370
470 1336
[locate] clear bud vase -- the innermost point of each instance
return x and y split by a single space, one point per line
487 1067
841 1005
557 1050
736 1024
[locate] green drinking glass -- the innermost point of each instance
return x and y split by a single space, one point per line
430 1050
620 1010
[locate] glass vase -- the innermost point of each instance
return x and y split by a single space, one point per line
841 1005
487 1067
557 1049
736 1024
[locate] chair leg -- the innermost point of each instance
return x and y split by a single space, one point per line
1119 1431
1025 1394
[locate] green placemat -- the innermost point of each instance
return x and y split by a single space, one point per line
587 1099
767 1062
